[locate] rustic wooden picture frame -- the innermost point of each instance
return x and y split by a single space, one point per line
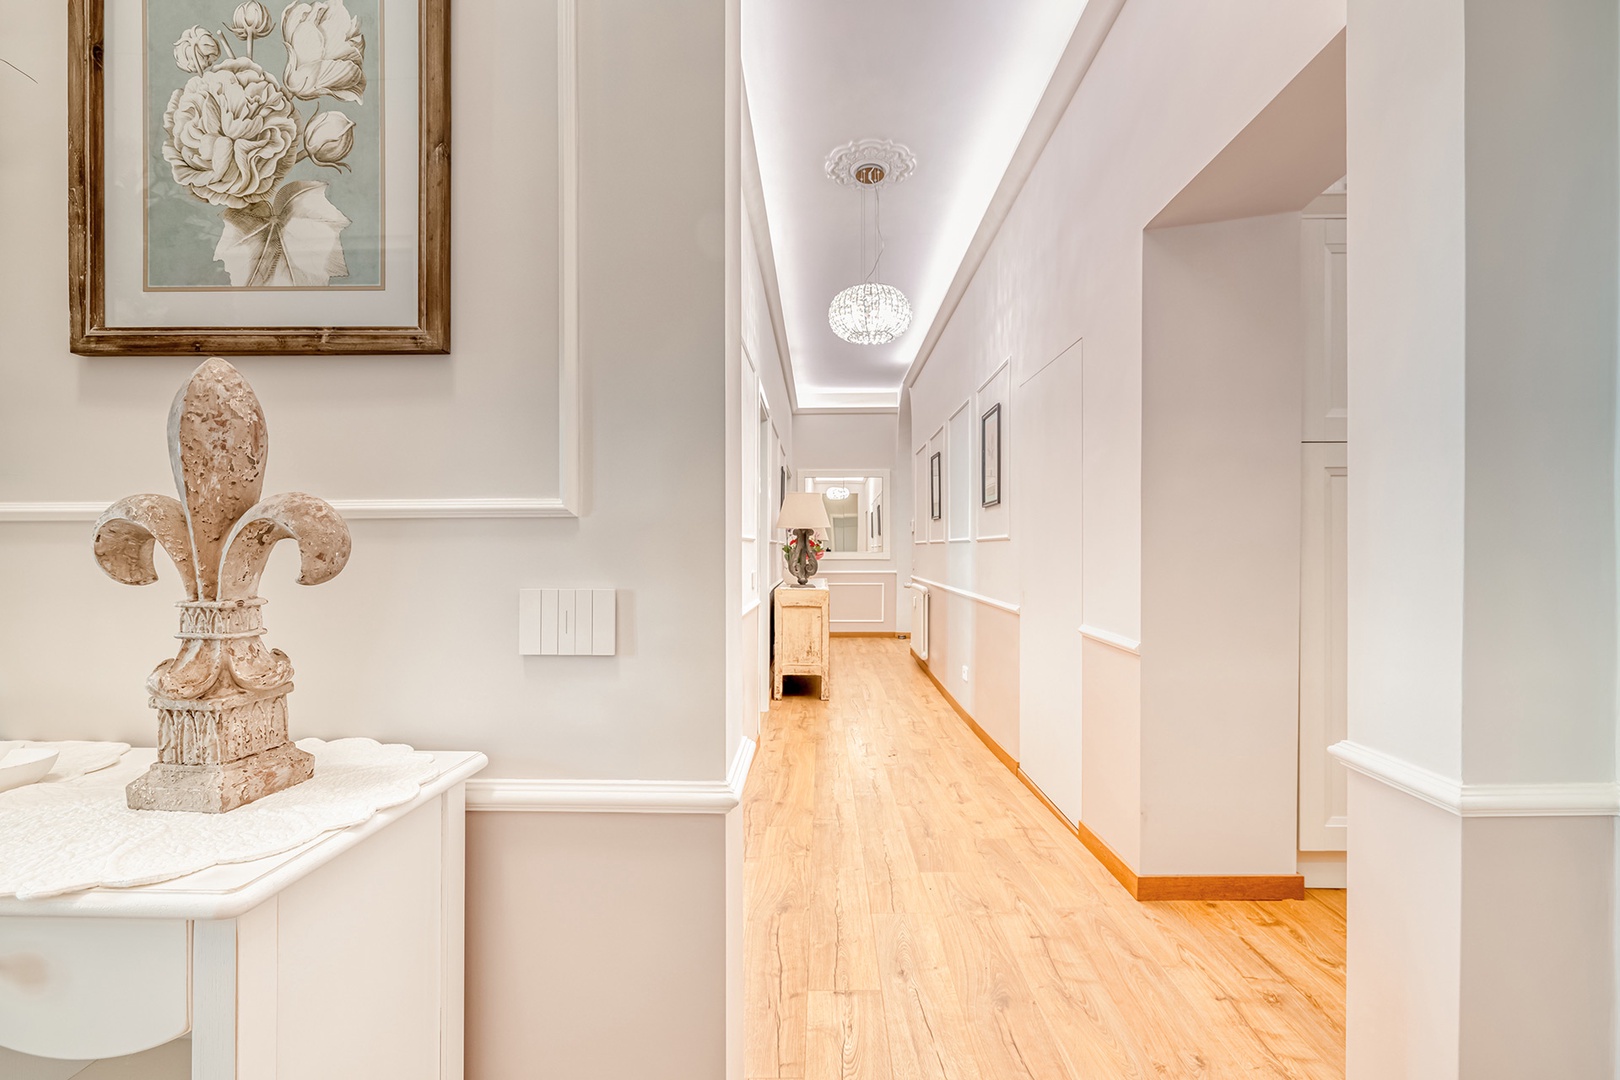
936 488
990 457
90 333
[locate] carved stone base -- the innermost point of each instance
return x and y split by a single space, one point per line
215 789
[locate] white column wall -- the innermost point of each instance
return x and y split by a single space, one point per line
1222 393
1484 192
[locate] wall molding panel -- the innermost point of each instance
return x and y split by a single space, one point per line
883 595
1569 799
987 601
1108 637
568 502
519 795
353 509
570 399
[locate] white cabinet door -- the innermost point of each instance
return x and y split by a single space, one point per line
1322 649
1322 270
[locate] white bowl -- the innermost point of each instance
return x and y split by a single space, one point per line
21 767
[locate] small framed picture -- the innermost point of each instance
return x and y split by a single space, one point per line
936 495
990 456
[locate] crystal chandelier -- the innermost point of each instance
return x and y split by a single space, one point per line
870 313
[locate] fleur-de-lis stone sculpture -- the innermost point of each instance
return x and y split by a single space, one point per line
222 702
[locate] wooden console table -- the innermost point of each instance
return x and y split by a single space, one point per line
801 638
338 960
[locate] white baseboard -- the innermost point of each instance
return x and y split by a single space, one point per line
513 794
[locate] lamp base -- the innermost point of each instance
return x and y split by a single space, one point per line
801 561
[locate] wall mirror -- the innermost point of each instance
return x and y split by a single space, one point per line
857 505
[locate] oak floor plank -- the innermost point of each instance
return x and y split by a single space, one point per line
847 1037
915 913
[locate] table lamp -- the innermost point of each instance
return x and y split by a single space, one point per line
802 513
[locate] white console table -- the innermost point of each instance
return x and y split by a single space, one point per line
339 960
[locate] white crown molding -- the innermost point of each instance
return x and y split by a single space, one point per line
978 598
615 796
570 404
1108 637
753 192
1095 22
1571 799
12 513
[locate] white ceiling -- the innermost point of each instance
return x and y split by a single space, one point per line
956 81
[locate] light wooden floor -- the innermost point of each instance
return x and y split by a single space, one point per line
914 912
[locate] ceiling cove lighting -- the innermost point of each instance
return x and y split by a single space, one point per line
870 313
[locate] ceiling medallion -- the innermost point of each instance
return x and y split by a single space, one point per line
895 159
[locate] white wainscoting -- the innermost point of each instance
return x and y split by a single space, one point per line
1108 637
568 501
1566 799
615 796
979 598
858 601
862 600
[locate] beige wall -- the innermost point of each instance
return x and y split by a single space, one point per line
592 941
973 652
417 640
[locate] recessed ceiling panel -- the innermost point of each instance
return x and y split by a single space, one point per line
955 83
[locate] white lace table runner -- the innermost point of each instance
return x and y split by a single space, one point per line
78 834
74 759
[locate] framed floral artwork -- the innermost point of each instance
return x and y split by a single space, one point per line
253 178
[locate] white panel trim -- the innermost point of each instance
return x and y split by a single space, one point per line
1108 637
1570 799
988 601
856 573
353 509
977 390
570 404
883 599
615 796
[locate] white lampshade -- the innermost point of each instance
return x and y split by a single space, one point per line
803 510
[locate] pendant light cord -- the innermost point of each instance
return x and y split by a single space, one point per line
877 227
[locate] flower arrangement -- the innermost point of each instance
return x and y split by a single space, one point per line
817 548
235 134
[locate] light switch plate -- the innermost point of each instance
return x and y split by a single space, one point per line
567 622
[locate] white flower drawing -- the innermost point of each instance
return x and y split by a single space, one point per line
234 135
326 52
196 50
252 20
329 138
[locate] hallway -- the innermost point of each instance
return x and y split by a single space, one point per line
914 911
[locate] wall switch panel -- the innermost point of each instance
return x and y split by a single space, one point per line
567 622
